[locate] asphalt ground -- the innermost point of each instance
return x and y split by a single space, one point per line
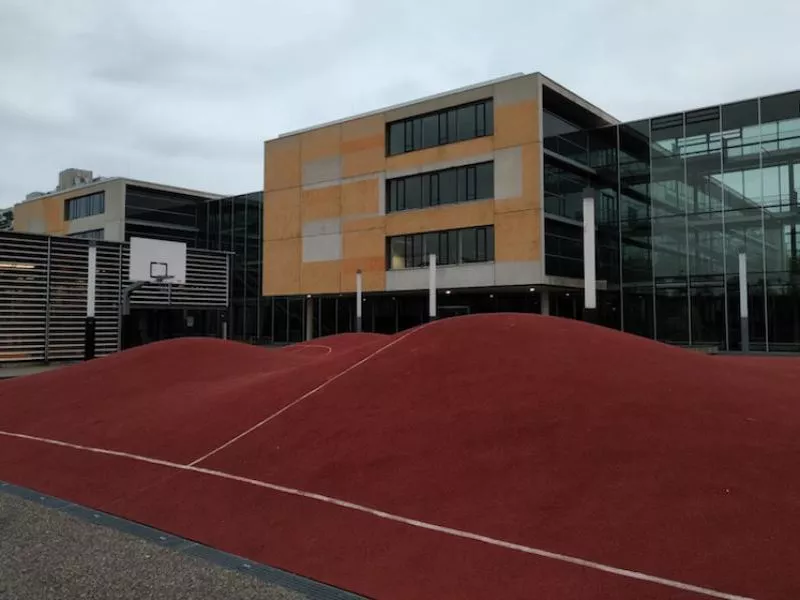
46 553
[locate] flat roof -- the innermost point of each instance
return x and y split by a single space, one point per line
379 111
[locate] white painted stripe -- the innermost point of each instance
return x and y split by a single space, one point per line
589 564
320 387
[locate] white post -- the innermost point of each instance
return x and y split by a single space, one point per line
432 287
589 266
743 312
358 301
545 295
89 330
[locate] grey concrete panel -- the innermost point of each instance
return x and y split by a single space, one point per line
456 276
320 248
445 164
517 90
518 273
114 231
322 227
508 173
322 170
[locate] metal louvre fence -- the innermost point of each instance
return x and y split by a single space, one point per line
43 283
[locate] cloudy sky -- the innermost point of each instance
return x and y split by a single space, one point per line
185 91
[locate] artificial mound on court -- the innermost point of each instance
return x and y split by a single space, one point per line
539 434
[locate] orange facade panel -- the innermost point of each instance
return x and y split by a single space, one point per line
282 267
282 214
320 143
361 197
516 124
320 277
439 154
282 163
320 203
454 216
516 236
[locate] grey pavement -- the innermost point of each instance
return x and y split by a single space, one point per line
48 554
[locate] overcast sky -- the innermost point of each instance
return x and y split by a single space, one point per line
184 92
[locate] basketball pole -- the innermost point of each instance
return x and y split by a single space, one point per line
89 329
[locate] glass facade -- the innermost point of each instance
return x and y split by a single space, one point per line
234 225
679 198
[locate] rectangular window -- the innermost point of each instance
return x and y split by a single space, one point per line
449 186
445 126
85 206
452 247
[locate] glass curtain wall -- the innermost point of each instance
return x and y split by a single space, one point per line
234 225
690 192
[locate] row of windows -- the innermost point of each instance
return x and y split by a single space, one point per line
453 247
441 127
460 184
85 206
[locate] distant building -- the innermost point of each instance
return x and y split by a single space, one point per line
6 219
113 209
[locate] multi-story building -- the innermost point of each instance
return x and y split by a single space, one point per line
458 175
113 209
490 179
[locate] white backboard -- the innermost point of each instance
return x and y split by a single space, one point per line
157 260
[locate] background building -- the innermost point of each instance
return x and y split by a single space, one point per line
6 219
112 209
491 178
458 175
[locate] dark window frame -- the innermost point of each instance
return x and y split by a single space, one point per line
468 188
451 129
449 247
88 205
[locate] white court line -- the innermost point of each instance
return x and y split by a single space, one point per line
589 564
321 386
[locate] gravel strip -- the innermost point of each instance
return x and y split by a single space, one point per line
47 554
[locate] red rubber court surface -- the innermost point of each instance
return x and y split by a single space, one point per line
509 456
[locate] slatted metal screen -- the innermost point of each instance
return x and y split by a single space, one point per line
43 283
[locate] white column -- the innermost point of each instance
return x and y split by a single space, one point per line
743 308
432 287
358 301
589 266
545 295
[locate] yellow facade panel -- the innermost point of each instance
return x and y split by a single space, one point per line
516 236
320 203
363 162
282 267
438 154
364 223
282 214
320 143
454 216
516 124
282 163
359 244
361 197
320 277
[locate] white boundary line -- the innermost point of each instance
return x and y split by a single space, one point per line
296 401
589 564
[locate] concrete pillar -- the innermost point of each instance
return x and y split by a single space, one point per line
309 318
545 295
